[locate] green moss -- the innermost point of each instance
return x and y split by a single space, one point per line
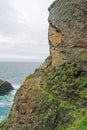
61 127
81 82
66 91
43 116
82 124
69 111
64 82
79 124
82 87
63 91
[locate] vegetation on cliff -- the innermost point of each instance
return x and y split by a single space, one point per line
66 82
67 86
57 102
54 97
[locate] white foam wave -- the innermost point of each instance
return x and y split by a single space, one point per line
2 104
7 101
16 86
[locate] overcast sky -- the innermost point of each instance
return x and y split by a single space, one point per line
24 30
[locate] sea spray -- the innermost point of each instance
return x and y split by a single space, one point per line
15 73
6 103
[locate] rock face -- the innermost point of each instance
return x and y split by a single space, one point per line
68 32
54 97
5 87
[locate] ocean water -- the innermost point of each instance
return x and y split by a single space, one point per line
15 73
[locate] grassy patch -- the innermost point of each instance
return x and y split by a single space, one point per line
64 82
67 90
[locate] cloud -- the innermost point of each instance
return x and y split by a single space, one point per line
24 29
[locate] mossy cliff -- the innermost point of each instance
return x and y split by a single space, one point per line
54 97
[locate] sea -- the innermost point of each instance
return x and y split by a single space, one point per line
15 73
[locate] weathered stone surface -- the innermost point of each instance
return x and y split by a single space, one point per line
68 32
5 87
47 63
32 109
54 97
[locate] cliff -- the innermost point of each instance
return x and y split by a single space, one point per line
54 97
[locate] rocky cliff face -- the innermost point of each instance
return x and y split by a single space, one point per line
67 32
55 96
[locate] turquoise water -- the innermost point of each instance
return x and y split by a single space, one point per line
15 73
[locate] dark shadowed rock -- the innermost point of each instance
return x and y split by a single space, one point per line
5 87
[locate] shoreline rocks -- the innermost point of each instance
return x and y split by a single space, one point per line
5 87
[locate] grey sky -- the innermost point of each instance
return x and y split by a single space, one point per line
24 30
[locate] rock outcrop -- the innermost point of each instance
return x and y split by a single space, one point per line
54 97
5 87
68 32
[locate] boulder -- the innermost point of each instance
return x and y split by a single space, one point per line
5 87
